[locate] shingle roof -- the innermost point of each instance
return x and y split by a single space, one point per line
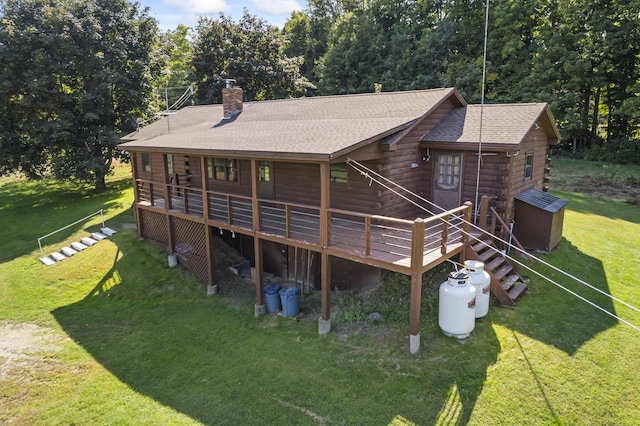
501 124
320 126
542 200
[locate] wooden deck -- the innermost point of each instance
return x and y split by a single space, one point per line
375 240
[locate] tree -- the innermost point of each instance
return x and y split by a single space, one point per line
74 77
178 47
250 52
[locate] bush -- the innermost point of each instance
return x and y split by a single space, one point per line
620 151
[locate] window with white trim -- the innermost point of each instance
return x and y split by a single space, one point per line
528 166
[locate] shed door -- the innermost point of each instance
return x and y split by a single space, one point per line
447 180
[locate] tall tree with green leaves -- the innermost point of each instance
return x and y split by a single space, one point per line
74 76
251 52
178 47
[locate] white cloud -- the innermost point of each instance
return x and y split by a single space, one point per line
276 7
200 7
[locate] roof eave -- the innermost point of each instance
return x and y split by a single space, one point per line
470 146
451 92
240 155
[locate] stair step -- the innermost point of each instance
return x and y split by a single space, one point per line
108 231
509 281
98 236
47 260
488 254
78 246
68 251
481 245
88 241
502 272
517 291
58 257
495 263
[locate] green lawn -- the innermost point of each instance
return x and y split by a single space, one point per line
113 336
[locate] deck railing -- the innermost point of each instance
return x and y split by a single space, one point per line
358 233
373 234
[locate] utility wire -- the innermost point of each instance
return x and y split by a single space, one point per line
372 176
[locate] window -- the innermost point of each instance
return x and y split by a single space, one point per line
222 169
264 171
528 166
338 173
146 162
448 171
170 164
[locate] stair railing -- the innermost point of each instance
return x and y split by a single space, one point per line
100 212
512 238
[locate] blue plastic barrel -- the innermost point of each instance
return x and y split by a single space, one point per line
289 297
271 297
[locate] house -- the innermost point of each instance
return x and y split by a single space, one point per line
310 186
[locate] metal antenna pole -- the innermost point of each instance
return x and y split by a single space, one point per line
484 70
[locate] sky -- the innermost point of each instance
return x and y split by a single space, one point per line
170 13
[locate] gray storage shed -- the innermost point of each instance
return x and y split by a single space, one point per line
539 218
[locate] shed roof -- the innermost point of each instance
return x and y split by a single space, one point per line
504 126
542 200
318 127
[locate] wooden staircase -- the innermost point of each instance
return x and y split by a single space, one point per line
506 284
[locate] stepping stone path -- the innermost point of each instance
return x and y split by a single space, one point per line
83 244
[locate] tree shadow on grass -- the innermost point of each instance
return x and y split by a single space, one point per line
30 210
601 206
153 328
556 317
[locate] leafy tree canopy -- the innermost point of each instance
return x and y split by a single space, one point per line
581 57
74 76
250 52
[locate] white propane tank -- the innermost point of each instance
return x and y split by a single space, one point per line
480 279
456 315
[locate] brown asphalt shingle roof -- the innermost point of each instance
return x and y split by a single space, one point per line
323 127
501 124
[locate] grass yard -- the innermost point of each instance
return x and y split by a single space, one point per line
114 336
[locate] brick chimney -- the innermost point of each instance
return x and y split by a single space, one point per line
231 99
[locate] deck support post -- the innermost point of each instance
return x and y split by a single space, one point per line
324 322
208 238
171 233
136 196
417 253
259 308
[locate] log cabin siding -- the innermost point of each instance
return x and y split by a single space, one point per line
400 167
297 183
536 144
357 195
494 169
193 174
241 187
156 175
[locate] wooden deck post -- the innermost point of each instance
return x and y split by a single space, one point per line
259 308
212 288
166 190
484 211
417 253
205 188
136 195
466 230
324 322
